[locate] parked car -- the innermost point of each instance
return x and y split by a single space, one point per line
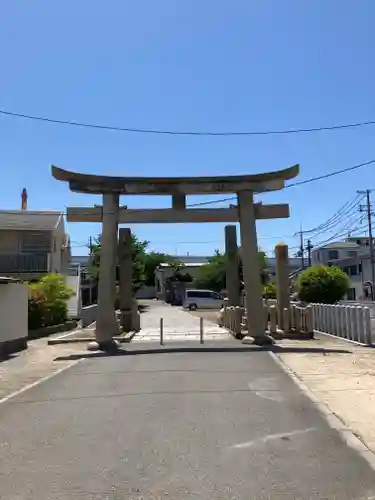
202 299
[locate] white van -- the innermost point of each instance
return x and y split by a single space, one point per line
202 299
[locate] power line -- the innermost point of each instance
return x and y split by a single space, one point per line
294 184
336 219
191 133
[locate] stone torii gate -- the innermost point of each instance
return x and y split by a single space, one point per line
111 215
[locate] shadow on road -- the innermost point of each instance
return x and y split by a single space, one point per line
181 349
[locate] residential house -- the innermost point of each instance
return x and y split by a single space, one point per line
353 257
33 243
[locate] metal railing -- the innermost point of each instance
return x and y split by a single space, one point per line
24 263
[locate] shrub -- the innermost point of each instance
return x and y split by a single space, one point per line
322 284
269 291
47 303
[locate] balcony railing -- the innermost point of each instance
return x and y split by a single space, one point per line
24 263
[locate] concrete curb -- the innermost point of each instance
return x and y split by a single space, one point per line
346 434
355 342
66 340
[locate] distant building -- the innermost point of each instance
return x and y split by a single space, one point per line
33 243
191 266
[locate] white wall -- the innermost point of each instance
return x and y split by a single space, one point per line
13 311
74 303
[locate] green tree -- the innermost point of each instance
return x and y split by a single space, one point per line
138 257
213 276
151 261
322 284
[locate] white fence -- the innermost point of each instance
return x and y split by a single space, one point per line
349 322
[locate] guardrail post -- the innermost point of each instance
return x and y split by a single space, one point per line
309 323
161 331
348 324
361 325
352 323
201 330
367 326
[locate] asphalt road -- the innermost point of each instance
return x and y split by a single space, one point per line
182 425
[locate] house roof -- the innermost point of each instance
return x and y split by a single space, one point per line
339 244
39 220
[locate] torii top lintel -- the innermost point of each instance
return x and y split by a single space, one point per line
87 183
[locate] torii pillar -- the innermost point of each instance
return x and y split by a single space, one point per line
106 323
232 268
250 265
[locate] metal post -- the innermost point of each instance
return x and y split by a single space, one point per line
161 331
201 330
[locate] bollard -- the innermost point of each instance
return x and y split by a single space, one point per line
161 331
273 319
201 330
367 326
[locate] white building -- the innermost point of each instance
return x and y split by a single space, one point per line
353 257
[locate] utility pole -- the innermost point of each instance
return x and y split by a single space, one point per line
368 209
309 247
302 249
90 244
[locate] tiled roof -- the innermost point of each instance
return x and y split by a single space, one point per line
29 219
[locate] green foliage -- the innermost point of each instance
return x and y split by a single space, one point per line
269 291
213 275
322 284
47 303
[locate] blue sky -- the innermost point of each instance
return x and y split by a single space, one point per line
199 65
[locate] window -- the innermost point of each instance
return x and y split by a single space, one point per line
333 254
352 253
353 271
351 294
198 294
359 268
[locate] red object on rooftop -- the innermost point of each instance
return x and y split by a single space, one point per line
24 199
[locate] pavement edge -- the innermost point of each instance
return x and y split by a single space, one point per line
346 434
